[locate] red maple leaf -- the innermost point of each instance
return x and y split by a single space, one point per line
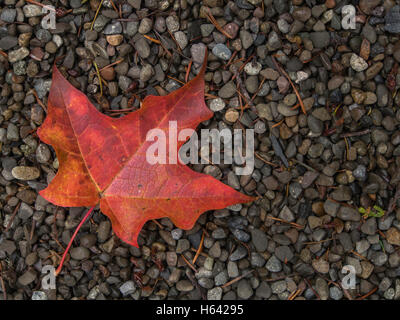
103 159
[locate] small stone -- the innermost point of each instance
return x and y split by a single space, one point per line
320 39
221 51
127 288
217 104
252 68
115 39
231 115
393 236
184 286
392 20
270 74
358 63
259 240
320 265
244 290
214 293
231 29
80 253
284 253
278 286
181 39
176 233
25 173
246 39
31 10
145 26
8 42
8 15
25 211
238 254
17 55
39 295
379 258
348 214
113 28
227 91
172 23
7 246
321 286
335 293
273 264
369 227
27 278
198 52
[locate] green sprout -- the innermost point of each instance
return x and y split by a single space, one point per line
376 212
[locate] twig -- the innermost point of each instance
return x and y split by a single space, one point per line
41 5
189 264
158 224
3 286
201 253
111 64
291 83
243 89
152 39
12 217
359 255
237 279
99 77
304 165
276 145
217 25
279 278
113 5
32 230
266 161
285 221
317 242
196 284
188 70
277 124
393 201
95 16
199 249
355 134
40 103
312 289
367 294
294 294
181 82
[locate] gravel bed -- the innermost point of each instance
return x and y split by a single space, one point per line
313 170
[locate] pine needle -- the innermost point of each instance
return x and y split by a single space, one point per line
199 249
98 76
303 108
152 39
97 13
217 25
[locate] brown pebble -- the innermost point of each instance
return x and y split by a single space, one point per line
115 39
108 74
231 115
330 4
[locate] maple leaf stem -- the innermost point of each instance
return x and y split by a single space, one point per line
72 239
